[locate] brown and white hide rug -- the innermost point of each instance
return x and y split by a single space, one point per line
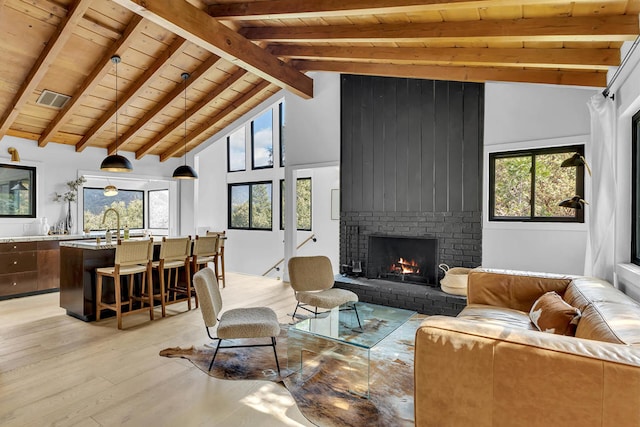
321 390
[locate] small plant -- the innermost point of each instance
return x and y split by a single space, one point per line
72 194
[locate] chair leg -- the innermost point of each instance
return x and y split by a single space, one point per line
163 293
215 354
98 296
188 286
273 341
293 316
355 308
149 282
118 293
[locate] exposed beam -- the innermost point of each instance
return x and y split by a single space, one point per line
139 85
195 25
582 28
230 81
463 74
246 97
163 105
88 85
522 57
300 9
52 49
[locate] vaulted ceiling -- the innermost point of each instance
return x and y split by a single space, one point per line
239 53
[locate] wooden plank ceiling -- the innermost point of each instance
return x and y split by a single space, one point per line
239 53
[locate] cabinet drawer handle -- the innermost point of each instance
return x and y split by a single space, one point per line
15 262
14 284
15 247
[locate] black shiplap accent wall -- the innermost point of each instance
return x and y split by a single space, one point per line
411 145
411 164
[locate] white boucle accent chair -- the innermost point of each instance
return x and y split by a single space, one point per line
253 322
312 282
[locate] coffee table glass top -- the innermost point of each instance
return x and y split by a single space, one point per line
341 324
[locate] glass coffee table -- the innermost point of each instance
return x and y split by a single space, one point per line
341 336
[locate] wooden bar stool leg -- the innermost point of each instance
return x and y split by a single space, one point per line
98 295
163 295
149 286
189 284
118 293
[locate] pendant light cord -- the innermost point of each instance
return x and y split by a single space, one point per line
185 76
116 59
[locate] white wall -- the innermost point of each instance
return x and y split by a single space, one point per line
56 164
519 116
312 141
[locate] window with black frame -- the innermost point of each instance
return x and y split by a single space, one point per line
635 190
250 206
303 204
528 185
17 191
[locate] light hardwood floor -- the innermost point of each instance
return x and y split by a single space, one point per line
57 370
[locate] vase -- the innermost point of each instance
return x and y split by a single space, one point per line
68 222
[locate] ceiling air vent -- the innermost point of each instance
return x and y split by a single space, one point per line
52 99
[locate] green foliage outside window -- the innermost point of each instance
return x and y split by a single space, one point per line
250 206
529 185
129 204
303 204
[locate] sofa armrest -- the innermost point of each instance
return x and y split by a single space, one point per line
517 290
468 373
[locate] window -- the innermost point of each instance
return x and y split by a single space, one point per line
250 206
17 191
303 204
128 203
159 209
236 153
635 190
262 140
528 185
282 123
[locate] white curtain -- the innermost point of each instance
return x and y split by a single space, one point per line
599 259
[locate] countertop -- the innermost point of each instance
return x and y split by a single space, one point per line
92 244
40 238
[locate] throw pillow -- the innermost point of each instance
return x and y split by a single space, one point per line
550 313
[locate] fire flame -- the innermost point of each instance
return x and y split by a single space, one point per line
403 266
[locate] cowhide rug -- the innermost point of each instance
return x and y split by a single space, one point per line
321 391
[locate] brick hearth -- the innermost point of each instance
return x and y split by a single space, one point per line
420 298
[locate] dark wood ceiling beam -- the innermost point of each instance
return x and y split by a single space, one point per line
89 84
521 57
463 74
206 125
230 81
195 25
139 85
52 49
298 9
163 105
582 28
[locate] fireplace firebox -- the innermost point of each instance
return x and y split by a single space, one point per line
403 259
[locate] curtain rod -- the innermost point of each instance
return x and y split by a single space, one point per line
633 47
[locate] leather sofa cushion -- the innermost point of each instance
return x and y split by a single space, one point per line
550 313
583 291
501 316
516 290
610 322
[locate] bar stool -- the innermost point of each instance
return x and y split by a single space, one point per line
222 238
132 257
205 250
174 253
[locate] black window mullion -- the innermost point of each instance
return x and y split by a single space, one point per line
532 200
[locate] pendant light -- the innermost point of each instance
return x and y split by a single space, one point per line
576 202
115 162
185 171
110 190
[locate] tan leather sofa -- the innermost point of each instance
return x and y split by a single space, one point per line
490 366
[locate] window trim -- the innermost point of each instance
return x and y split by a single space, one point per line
533 152
310 202
144 202
229 207
635 169
280 137
148 201
244 143
253 157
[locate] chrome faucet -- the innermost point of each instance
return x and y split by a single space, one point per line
117 221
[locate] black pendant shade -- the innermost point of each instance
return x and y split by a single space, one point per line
576 202
116 163
185 171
